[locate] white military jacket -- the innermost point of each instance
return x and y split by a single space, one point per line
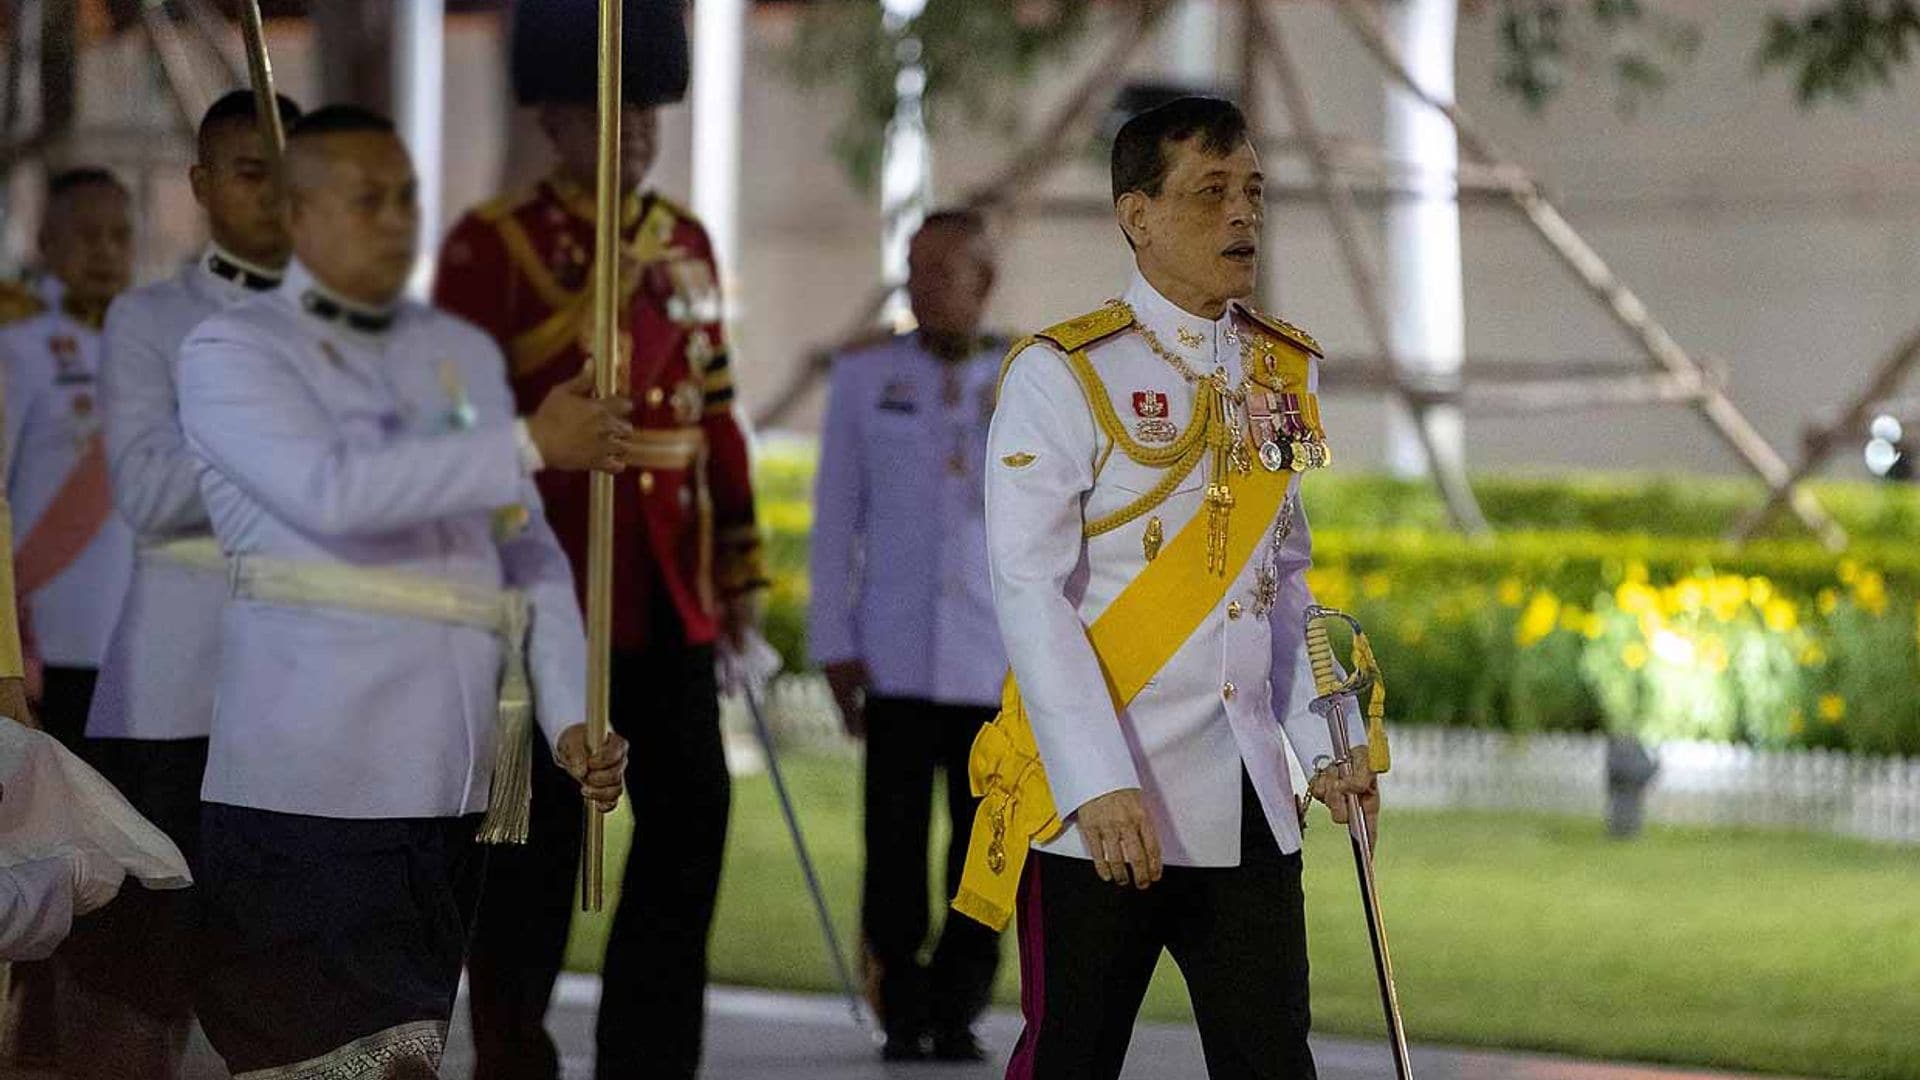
383 449
50 364
1219 706
155 680
899 548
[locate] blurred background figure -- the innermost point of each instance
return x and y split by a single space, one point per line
686 552
72 555
902 619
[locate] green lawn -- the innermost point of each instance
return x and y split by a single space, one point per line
1742 950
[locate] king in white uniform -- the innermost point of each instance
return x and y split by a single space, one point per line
1148 553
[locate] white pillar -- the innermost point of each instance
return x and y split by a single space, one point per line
419 65
1422 272
906 163
1195 31
719 44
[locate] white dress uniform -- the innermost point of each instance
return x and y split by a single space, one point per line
329 444
50 364
155 680
1212 710
899 550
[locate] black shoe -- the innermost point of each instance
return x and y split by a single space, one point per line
957 1045
904 1048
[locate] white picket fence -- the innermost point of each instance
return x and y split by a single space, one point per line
1456 768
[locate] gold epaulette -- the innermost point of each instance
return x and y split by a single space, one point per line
1284 329
680 213
1095 326
18 302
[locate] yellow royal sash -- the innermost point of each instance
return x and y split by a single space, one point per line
1133 639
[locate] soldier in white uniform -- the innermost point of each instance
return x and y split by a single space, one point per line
902 619
1148 558
71 554
394 587
125 970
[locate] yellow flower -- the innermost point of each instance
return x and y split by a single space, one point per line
1512 592
1572 618
1848 571
1635 597
1870 592
1593 626
1827 601
1636 573
1375 585
1539 620
1759 590
1833 708
1634 656
1812 655
1689 596
1780 615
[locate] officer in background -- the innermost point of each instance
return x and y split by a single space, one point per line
124 972
902 619
686 554
72 555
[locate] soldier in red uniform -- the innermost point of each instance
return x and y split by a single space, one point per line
686 558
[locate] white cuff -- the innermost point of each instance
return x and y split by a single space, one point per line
530 460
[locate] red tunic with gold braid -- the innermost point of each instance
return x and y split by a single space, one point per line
521 267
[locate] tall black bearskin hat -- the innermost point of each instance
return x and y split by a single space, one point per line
556 47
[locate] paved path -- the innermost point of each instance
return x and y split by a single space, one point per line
760 1035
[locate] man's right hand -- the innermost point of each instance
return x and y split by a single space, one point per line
576 430
848 679
1120 837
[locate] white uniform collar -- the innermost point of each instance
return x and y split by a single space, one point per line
231 270
1181 331
319 302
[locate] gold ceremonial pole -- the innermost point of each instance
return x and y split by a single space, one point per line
606 292
260 74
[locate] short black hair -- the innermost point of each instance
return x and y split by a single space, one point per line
238 107
341 120
1140 160
67 181
964 219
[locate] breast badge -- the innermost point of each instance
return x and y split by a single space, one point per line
687 400
1019 460
1153 426
898 397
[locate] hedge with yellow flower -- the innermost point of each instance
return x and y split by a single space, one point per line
1662 632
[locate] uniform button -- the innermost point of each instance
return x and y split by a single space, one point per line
646 483
1228 691
655 396
1233 610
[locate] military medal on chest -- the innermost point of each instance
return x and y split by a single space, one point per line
460 415
1153 425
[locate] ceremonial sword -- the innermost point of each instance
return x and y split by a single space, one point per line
855 1004
1330 689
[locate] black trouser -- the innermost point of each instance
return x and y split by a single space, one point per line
908 741
126 991
66 696
1088 949
653 981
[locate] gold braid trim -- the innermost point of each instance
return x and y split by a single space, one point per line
1177 459
369 1058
